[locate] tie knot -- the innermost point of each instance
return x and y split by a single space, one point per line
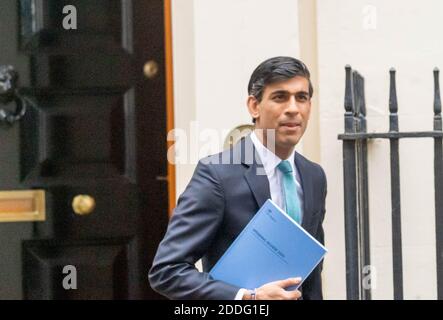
285 167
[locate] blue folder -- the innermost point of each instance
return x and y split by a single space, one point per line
271 247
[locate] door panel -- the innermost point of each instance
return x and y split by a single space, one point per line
95 126
46 260
102 24
79 137
71 71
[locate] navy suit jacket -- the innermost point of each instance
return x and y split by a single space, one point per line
217 204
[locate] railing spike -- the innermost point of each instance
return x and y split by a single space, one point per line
393 104
349 100
437 98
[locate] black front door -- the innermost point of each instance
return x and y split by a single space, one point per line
91 138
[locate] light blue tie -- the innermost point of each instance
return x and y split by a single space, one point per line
290 191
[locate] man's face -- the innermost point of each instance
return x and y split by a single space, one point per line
285 107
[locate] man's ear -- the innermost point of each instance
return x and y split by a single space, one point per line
253 107
309 111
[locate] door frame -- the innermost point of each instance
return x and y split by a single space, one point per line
169 100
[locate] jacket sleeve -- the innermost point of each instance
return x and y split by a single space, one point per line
193 226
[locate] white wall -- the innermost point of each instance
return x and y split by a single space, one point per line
183 47
406 37
216 46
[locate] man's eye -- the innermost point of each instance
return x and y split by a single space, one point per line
302 98
280 97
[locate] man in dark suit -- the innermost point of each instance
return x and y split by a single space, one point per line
228 188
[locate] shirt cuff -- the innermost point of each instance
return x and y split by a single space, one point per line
240 293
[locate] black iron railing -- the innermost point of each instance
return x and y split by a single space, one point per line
356 197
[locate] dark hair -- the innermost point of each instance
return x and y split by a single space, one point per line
275 70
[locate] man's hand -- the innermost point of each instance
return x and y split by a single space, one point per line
276 290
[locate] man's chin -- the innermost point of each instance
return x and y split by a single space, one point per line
288 142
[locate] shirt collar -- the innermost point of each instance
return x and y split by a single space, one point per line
269 159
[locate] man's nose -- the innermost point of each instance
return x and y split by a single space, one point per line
292 106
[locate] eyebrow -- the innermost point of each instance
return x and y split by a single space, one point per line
287 92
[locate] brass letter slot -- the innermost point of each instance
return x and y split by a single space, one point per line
19 206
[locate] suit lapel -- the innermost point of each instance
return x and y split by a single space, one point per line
259 184
255 174
306 182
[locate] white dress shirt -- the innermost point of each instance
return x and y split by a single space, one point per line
270 162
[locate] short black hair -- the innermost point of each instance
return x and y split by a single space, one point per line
275 70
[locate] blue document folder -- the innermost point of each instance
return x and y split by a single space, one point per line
271 247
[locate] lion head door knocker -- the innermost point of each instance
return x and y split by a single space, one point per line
9 93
